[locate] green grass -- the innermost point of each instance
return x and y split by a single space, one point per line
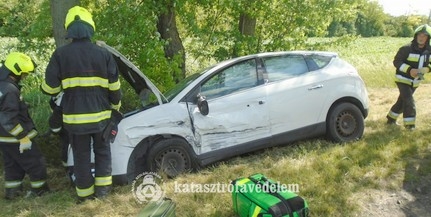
333 178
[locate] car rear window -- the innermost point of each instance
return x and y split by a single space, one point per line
316 62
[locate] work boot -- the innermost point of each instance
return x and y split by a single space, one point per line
83 199
12 193
37 192
391 121
410 127
42 190
102 191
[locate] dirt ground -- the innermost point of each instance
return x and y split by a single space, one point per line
411 202
411 199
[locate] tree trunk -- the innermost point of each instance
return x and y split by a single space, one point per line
167 27
246 27
247 24
59 10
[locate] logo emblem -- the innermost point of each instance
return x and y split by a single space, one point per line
146 187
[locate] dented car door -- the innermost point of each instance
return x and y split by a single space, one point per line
237 108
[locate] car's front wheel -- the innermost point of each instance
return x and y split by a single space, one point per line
345 123
170 156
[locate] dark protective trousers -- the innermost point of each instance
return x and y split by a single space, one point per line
81 146
405 103
17 164
64 140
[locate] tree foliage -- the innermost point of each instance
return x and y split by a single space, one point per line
133 31
280 25
370 20
403 26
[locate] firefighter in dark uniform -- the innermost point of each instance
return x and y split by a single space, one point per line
408 66
88 76
20 155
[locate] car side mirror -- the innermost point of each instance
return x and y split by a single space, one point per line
203 105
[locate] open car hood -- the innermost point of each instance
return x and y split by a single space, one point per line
132 74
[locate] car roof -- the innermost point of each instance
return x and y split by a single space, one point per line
302 52
275 53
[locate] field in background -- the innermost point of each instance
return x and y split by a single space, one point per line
384 174
373 58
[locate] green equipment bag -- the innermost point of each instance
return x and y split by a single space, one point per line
162 208
258 196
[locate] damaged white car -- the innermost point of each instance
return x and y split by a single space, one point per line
234 107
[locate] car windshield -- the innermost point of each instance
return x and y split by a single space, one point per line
173 92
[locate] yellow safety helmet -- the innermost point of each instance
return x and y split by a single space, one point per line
79 13
19 63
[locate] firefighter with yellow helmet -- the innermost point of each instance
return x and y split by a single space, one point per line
411 62
21 156
88 76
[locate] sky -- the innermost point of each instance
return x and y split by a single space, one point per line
406 7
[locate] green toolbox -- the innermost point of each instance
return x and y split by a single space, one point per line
258 196
162 208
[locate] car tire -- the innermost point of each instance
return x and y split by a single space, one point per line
345 123
170 156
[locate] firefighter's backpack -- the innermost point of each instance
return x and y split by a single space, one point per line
258 196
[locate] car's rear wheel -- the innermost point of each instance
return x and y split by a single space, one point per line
345 123
170 156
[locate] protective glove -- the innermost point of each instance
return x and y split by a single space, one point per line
24 144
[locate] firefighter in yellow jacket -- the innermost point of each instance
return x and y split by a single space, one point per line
20 155
88 76
411 62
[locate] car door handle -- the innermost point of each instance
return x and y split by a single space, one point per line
315 87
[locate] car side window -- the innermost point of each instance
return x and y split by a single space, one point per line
232 79
284 67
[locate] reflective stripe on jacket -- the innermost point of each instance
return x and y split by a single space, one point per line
406 59
88 76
